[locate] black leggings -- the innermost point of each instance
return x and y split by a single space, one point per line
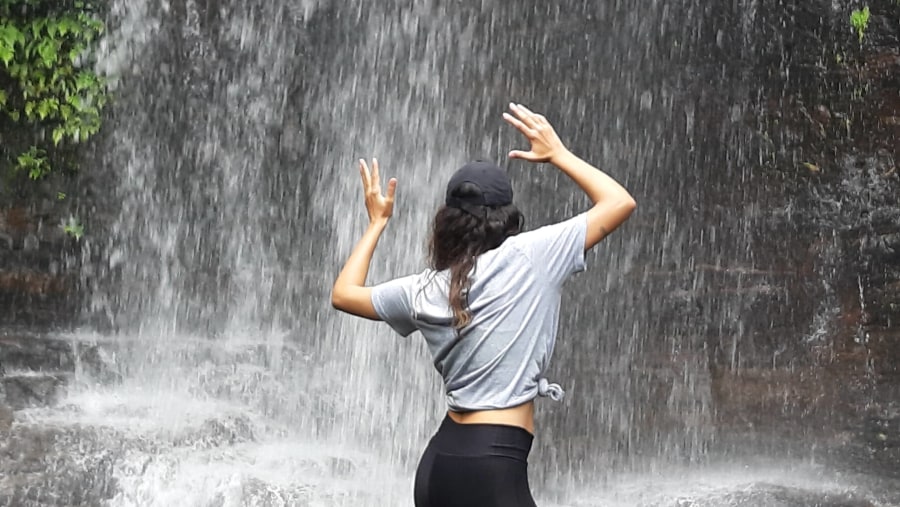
475 465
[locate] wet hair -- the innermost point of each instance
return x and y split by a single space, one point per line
458 237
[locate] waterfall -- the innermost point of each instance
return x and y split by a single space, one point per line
234 147
231 149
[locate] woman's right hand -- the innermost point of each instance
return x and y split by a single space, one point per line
379 206
545 143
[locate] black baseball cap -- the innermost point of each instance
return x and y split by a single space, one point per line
491 180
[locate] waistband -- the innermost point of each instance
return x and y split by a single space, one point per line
482 439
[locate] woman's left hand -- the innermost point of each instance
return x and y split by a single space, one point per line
380 207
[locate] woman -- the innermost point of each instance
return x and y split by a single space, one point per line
488 309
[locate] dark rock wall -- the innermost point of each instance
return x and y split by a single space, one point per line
39 267
817 354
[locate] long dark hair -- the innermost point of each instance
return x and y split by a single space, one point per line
459 237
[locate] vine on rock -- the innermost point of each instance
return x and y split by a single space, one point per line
50 97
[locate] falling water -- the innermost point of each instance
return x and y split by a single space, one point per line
232 150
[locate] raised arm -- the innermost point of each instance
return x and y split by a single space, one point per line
612 203
350 293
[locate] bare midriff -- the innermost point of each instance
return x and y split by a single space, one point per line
521 416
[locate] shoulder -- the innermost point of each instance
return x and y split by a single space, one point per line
550 232
414 281
556 250
576 222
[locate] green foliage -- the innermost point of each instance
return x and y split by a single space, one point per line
73 228
34 162
859 20
48 89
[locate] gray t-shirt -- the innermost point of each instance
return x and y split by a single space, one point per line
497 360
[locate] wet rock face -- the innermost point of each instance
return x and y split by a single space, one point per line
822 163
44 465
24 391
772 495
6 418
217 433
99 364
55 467
36 353
39 271
875 446
814 355
35 369
32 352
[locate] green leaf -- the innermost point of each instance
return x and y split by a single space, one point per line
17 70
30 48
10 36
85 80
3 97
6 35
48 49
73 228
75 101
859 19
34 161
58 133
44 109
75 52
7 42
36 27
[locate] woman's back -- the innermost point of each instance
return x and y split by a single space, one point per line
488 309
494 361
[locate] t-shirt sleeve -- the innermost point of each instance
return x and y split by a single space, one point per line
557 250
393 303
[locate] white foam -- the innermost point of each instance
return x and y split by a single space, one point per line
720 485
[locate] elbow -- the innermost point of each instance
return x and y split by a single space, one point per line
337 302
629 204
623 202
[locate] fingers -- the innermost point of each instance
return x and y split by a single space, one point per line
531 114
364 174
538 118
545 143
524 129
529 125
375 180
371 178
528 118
524 155
392 189
528 122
